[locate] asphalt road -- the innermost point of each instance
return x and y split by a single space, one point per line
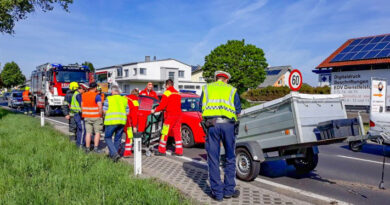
341 174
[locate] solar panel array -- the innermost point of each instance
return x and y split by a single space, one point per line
365 48
273 72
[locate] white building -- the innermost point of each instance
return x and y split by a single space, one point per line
137 74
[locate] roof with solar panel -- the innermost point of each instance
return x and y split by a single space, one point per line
360 51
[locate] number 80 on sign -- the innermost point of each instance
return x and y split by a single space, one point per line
295 80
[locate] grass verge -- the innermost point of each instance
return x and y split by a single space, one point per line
40 166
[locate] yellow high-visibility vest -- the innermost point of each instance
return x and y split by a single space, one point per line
218 100
74 105
116 113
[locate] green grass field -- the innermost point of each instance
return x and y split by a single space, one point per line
40 166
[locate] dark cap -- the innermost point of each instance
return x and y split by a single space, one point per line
92 85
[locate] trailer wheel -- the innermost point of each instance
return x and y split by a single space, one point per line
355 146
246 168
48 110
187 136
306 164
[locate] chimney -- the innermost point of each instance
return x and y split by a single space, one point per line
147 58
154 58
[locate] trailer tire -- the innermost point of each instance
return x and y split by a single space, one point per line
246 168
306 164
355 147
187 136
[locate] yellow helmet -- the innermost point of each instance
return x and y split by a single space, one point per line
73 85
26 88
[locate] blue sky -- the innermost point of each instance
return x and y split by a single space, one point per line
107 32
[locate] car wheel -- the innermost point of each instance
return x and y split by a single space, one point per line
187 136
48 110
246 168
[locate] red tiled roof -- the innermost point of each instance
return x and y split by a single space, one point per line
327 64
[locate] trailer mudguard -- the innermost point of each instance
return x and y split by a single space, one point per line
254 149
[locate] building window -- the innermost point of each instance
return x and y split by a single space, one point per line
155 87
119 72
189 87
109 74
135 71
171 75
181 74
180 86
142 71
197 87
126 72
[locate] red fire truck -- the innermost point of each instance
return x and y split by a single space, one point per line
49 83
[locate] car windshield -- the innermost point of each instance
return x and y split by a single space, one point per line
101 78
71 76
146 103
16 95
190 104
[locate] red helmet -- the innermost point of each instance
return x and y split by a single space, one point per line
83 86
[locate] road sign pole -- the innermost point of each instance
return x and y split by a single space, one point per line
42 119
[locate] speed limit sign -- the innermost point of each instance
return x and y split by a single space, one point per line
295 80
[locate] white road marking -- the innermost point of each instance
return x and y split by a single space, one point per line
56 121
302 192
295 190
364 160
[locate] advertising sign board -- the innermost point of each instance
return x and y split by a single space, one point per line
355 85
378 95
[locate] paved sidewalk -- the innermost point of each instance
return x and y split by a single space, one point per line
193 181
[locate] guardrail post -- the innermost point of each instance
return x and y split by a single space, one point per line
42 119
137 154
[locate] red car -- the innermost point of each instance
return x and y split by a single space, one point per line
191 130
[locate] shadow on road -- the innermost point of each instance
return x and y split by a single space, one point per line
275 169
198 176
375 149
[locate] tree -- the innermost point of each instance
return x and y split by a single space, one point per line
90 66
12 75
15 10
245 63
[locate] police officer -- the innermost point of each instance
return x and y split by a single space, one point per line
73 86
75 108
220 105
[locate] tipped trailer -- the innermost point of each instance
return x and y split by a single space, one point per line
290 128
50 82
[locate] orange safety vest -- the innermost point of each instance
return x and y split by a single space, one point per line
26 96
102 96
89 107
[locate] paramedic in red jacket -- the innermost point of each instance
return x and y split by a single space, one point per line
148 91
131 124
171 104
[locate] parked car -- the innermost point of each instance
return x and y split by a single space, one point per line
6 95
192 132
15 99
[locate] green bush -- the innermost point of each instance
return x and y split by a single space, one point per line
271 93
40 166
